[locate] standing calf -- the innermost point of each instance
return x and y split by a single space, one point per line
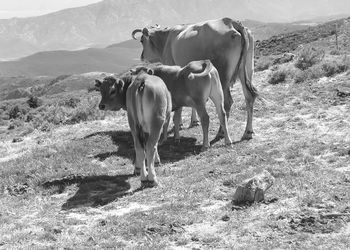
191 86
148 104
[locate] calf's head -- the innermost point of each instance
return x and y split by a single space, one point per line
112 93
137 70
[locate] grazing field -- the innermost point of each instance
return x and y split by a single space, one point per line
70 185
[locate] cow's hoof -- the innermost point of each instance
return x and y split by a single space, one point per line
228 144
149 184
204 148
137 171
194 124
157 164
247 135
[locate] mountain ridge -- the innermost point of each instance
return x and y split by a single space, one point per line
111 21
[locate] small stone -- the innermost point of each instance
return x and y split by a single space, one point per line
225 218
17 139
253 190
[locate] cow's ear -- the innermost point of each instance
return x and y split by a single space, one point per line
150 71
98 85
119 85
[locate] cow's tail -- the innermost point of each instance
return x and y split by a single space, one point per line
208 67
141 135
247 40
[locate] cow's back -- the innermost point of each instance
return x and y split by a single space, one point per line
207 40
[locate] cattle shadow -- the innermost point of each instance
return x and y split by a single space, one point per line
168 152
93 191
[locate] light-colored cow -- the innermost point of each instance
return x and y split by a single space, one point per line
225 42
148 104
192 86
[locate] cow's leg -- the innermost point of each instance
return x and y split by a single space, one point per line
164 135
140 167
151 149
227 106
249 99
177 120
194 119
139 150
156 157
217 97
249 91
202 112
178 112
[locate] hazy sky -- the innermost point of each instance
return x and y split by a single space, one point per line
25 8
281 10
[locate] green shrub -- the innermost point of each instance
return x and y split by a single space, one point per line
70 102
17 111
331 68
263 63
277 77
308 57
314 72
34 102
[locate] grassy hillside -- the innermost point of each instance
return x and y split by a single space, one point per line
65 175
66 167
290 41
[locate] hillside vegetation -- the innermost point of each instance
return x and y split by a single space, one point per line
66 167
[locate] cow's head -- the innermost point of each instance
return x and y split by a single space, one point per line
153 42
112 92
137 70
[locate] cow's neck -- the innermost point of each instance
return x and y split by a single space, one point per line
160 43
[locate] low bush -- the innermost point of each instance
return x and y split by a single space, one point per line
308 57
17 111
277 77
314 72
331 68
263 63
34 102
70 102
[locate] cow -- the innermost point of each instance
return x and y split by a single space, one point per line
148 104
191 86
227 43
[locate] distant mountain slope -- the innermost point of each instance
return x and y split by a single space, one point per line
115 58
111 21
290 41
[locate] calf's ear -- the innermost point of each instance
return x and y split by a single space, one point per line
150 71
98 85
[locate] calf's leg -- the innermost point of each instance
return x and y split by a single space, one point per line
202 112
217 97
177 120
